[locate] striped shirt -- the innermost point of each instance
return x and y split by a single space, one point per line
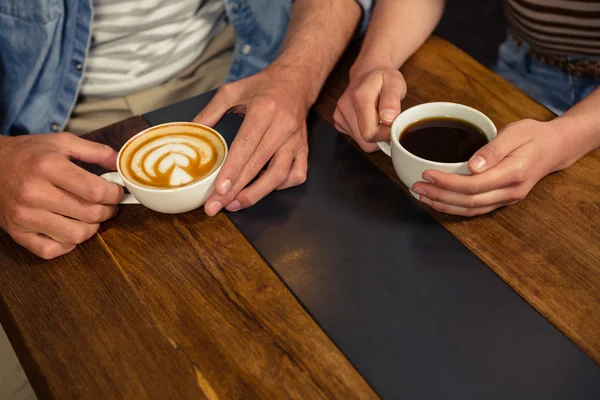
137 44
558 27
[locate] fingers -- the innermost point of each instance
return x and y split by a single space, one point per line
257 124
298 173
482 200
49 204
495 151
275 175
355 133
272 142
85 185
463 212
366 110
225 99
42 246
59 228
340 122
393 92
505 170
342 126
470 195
47 197
284 171
90 152
365 99
508 173
381 134
348 114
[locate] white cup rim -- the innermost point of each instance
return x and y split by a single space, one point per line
405 118
171 190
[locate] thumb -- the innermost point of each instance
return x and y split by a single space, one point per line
393 91
496 150
223 101
87 151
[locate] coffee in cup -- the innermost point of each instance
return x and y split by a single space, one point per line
443 139
172 156
170 168
441 136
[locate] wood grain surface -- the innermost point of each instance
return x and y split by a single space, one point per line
547 247
176 307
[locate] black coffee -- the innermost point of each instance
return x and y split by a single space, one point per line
446 140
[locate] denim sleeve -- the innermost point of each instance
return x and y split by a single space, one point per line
367 7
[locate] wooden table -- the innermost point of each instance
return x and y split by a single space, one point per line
125 316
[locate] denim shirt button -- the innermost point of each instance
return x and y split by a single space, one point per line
246 49
79 66
235 6
55 127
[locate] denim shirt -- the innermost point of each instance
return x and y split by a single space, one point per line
43 47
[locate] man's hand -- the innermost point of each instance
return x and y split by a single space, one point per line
276 102
369 105
504 171
274 128
47 203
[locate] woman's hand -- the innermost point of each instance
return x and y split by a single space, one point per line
504 171
369 105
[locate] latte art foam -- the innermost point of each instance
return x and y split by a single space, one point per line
172 156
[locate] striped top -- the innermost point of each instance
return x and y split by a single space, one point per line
137 44
559 27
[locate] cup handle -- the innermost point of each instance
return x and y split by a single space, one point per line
385 147
114 177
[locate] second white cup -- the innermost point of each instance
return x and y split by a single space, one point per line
408 166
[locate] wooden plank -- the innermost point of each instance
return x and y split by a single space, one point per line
547 247
80 332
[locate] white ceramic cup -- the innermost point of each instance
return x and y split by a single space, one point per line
173 200
409 167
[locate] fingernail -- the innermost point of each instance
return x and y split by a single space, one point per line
224 187
388 115
478 163
425 200
213 208
428 178
234 206
420 190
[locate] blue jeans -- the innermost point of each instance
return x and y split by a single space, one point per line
544 83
